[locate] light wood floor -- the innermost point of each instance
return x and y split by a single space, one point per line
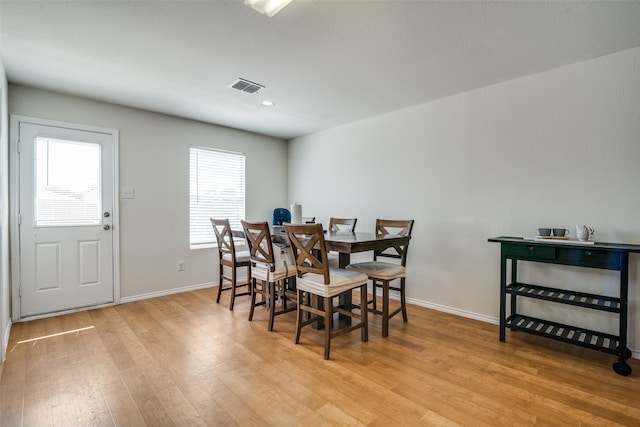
184 360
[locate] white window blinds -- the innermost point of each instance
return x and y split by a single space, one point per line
216 191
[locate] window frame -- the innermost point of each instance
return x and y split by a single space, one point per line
201 234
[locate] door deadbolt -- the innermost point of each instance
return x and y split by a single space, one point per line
107 214
106 227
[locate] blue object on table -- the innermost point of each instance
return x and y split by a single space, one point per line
281 215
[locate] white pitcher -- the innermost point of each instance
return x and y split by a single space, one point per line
584 232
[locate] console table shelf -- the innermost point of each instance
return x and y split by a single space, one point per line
561 332
563 296
607 256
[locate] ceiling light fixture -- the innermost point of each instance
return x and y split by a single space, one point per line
267 7
268 104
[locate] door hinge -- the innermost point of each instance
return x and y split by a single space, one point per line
19 146
19 219
20 290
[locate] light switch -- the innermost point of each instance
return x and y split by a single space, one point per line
126 193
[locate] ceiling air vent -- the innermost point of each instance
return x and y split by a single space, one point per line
246 86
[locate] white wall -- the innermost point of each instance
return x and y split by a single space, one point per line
556 149
5 285
154 160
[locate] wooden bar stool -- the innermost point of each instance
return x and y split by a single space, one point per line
233 261
273 271
317 281
383 273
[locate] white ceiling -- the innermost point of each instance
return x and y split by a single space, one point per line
324 63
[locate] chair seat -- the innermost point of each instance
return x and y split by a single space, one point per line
241 256
379 270
284 265
263 272
341 281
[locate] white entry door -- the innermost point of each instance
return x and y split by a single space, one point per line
66 217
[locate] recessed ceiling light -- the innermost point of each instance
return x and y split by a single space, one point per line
268 103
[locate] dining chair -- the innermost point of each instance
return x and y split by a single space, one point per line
272 271
346 225
231 260
317 284
383 273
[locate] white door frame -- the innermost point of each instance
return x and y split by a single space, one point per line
14 199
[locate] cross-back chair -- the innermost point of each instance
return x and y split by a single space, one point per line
272 272
383 273
317 284
231 261
347 225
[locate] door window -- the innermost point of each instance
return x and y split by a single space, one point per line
67 183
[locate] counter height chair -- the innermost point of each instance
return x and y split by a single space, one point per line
272 271
316 281
346 225
383 273
232 260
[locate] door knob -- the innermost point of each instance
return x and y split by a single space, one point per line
106 227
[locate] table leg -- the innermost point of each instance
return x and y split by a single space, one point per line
344 259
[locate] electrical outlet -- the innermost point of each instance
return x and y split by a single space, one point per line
180 265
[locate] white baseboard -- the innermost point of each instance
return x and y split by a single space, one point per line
168 292
455 311
5 340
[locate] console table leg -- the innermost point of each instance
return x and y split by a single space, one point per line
503 292
621 367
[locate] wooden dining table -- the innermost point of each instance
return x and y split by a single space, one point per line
347 243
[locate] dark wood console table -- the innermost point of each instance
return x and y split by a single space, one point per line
608 256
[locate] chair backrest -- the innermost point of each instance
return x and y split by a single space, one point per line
280 216
309 249
342 224
399 227
224 236
259 241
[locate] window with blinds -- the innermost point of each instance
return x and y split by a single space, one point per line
216 190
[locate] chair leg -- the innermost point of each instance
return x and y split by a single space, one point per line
272 303
403 302
253 298
364 311
220 282
299 318
375 292
385 308
232 299
327 326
